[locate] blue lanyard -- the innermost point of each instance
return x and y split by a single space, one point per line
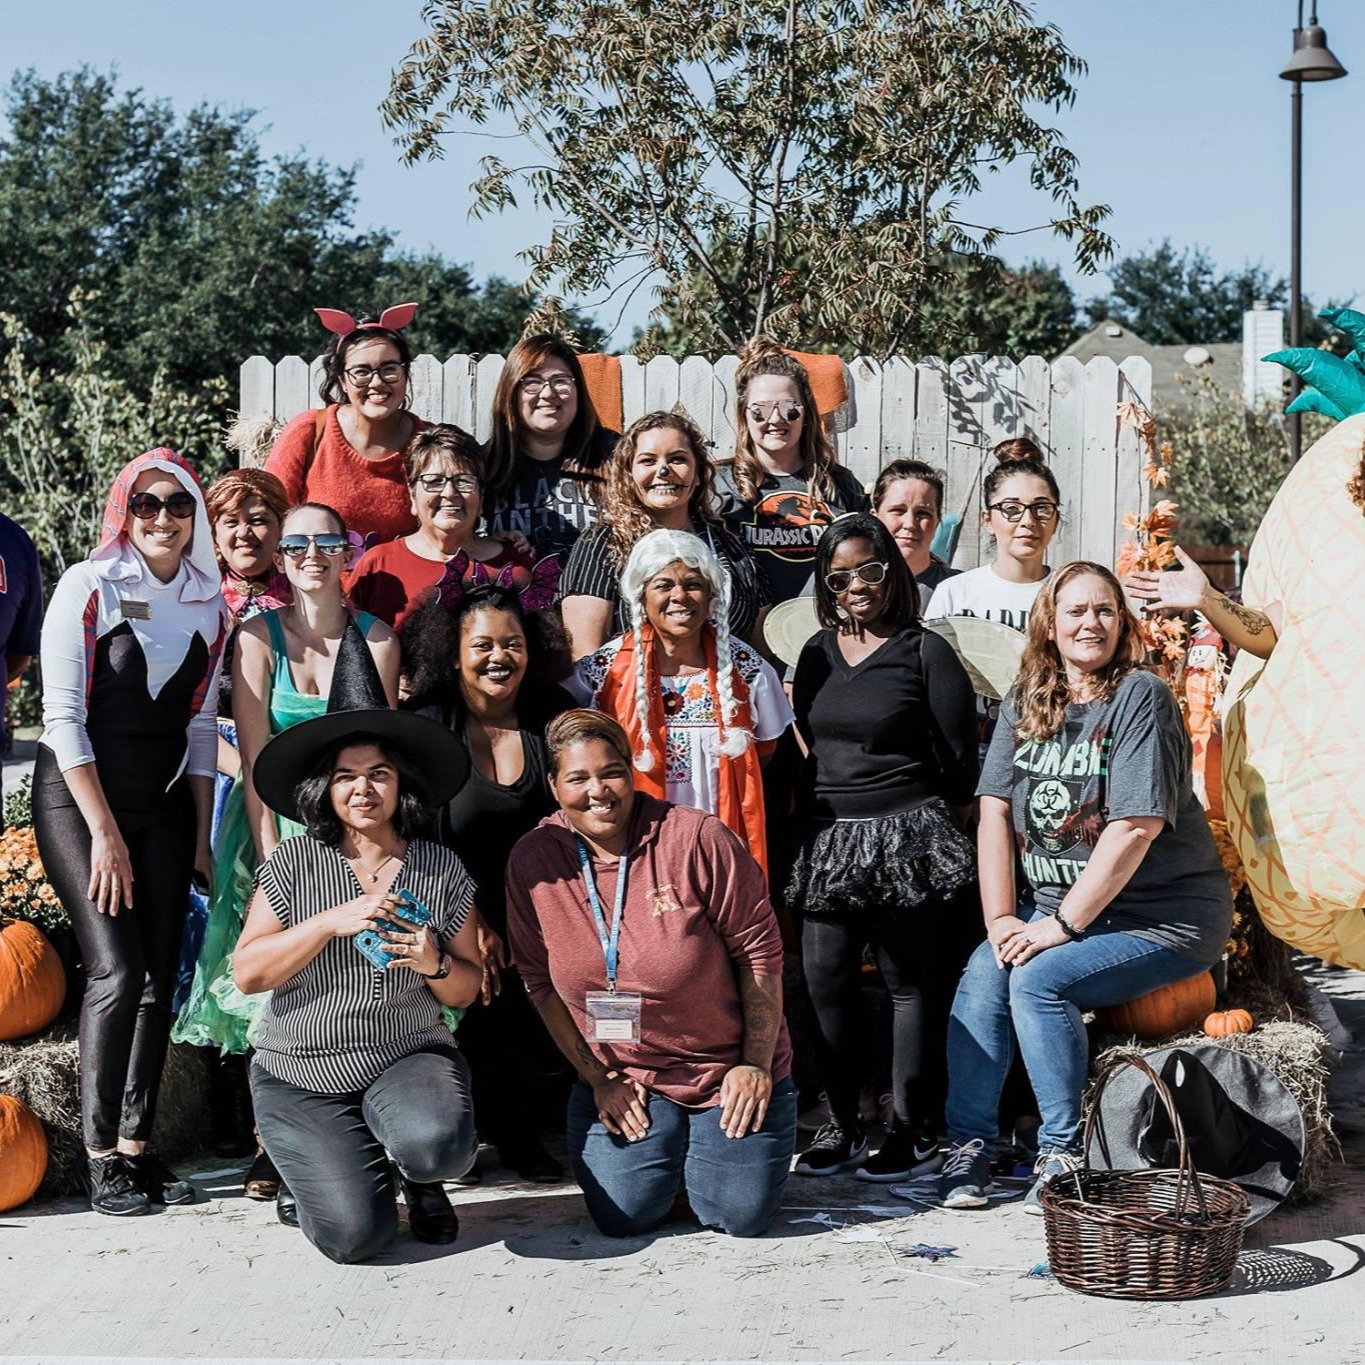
609 944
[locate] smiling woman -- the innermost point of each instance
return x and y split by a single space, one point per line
701 708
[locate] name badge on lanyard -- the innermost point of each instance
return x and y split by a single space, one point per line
613 1016
131 609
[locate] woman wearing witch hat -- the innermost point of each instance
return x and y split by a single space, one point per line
362 930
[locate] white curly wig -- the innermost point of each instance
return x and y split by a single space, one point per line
652 554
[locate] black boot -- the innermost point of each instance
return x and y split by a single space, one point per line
287 1207
158 1182
114 1188
430 1215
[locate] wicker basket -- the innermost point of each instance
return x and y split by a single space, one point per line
1143 1234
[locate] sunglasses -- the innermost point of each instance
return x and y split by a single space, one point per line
147 506
870 574
1013 511
330 543
763 412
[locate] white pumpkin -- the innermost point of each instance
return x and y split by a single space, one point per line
1294 726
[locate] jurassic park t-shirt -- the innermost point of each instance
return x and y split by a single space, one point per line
1128 758
783 527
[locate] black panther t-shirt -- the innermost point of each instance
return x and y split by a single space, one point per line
1127 758
546 505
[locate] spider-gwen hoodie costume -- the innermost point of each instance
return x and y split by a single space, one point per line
130 681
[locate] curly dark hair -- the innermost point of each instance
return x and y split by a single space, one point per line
902 596
331 388
430 642
313 795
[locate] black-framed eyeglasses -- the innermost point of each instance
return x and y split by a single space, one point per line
466 485
390 373
765 412
533 385
1043 511
147 506
869 574
329 543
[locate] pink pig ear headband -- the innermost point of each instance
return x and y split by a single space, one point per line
391 319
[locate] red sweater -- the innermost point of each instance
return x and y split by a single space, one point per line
371 495
696 911
390 579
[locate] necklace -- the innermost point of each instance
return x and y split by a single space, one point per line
374 876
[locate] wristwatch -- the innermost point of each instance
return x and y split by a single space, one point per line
442 971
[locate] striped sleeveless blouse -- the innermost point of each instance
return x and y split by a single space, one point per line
335 1026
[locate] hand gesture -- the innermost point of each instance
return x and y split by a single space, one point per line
744 1095
622 1105
111 873
492 957
1180 589
363 912
413 948
999 931
1035 937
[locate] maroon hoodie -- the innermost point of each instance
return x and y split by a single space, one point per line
696 910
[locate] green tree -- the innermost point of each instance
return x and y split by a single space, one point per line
1172 298
797 169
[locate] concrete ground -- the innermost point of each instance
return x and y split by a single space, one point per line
530 1279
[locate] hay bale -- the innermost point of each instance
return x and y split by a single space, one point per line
1298 1054
44 1073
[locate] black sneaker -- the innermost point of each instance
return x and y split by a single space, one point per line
904 1153
114 1188
966 1177
835 1149
158 1182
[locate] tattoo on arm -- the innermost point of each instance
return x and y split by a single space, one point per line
761 998
1255 622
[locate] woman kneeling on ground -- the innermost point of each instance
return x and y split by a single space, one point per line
1088 776
352 1058
645 937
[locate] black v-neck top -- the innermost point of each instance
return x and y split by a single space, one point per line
887 734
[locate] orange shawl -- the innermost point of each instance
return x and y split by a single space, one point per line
739 781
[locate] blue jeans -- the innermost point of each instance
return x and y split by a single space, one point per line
1043 999
734 1184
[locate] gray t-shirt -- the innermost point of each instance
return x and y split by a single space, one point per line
1126 758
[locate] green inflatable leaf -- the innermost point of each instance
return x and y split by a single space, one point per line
1310 400
1351 322
1339 382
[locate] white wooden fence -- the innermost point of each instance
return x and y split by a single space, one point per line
948 413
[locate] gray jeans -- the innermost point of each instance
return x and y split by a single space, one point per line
333 1150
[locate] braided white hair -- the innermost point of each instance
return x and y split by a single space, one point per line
653 553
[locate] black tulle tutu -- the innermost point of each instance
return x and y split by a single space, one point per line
894 863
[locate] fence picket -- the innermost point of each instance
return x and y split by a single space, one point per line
948 413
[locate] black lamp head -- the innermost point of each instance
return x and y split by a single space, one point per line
1313 60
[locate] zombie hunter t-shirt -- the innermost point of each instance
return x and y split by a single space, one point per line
1128 758
782 528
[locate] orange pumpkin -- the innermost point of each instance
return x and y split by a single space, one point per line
1223 1022
32 982
1168 1009
23 1153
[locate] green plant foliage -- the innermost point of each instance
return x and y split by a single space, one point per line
1229 461
19 804
798 169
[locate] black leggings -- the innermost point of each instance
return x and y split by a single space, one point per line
130 958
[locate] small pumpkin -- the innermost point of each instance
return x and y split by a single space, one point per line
1221 1023
32 981
1168 1009
23 1153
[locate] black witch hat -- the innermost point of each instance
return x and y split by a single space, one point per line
356 705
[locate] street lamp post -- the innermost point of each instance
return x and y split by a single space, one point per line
1312 61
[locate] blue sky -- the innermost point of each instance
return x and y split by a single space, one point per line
1181 124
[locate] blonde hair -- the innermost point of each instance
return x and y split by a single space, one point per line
763 356
653 553
1041 691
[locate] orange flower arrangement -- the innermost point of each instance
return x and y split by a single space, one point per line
25 892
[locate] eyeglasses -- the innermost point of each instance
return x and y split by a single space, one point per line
466 485
869 574
329 543
147 506
765 412
390 373
1013 511
561 385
